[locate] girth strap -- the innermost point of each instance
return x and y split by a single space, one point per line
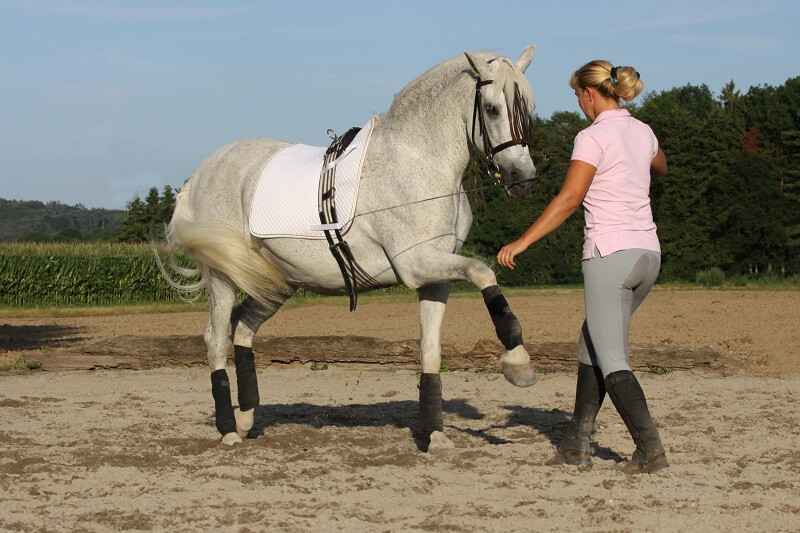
352 273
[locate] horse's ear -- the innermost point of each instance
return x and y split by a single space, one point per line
525 58
478 65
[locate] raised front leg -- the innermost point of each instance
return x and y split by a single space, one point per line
516 361
425 265
432 302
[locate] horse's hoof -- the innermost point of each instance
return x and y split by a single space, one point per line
520 375
231 438
517 367
244 421
440 444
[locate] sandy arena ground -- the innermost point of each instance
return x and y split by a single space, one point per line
334 449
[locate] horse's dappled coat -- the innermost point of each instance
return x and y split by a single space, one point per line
411 219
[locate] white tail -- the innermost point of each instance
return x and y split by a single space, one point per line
217 248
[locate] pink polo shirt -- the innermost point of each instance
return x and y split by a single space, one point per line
617 204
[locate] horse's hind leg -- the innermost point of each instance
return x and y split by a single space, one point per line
247 317
222 294
432 302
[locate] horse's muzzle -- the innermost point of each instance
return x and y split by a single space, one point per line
518 184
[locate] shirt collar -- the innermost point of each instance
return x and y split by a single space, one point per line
611 113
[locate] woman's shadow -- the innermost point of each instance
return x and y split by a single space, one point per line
552 423
405 414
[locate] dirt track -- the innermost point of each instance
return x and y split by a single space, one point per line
136 449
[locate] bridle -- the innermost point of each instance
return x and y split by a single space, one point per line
519 121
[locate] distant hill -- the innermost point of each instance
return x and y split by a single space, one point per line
20 217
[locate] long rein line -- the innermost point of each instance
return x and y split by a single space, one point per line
465 191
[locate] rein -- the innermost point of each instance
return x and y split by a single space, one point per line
465 191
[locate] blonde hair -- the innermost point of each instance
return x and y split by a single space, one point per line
610 81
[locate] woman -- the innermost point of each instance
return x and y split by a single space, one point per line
612 163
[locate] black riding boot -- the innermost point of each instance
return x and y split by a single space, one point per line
589 394
628 398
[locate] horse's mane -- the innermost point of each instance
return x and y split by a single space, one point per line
508 75
443 74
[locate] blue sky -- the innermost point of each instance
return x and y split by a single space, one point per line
101 100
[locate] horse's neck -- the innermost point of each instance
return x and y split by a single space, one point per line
426 127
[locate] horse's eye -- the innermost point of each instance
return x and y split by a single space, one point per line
492 109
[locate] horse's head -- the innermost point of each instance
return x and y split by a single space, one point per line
501 118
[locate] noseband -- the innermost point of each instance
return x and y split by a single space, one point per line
519 121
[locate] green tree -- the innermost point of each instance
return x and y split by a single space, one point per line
166 204
697 140
147 217
102 234
36 236
750 232
773 115
69 235
136 224
734 107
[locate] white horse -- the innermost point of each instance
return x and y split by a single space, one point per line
411 219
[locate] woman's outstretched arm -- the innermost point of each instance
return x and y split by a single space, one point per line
579 176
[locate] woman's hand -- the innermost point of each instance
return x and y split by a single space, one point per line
507 253
579 176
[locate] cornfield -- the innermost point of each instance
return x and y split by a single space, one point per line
55 274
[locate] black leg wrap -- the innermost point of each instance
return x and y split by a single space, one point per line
628 398
221 390
246 377
589 394
430 403
506 324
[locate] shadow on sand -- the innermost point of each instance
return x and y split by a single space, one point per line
26 337
405 414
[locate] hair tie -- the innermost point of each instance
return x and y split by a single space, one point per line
613 75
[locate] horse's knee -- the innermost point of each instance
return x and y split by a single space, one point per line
506 325
480 275
218 346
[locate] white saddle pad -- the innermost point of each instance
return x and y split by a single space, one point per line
286 198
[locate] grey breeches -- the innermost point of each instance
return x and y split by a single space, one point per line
614 286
